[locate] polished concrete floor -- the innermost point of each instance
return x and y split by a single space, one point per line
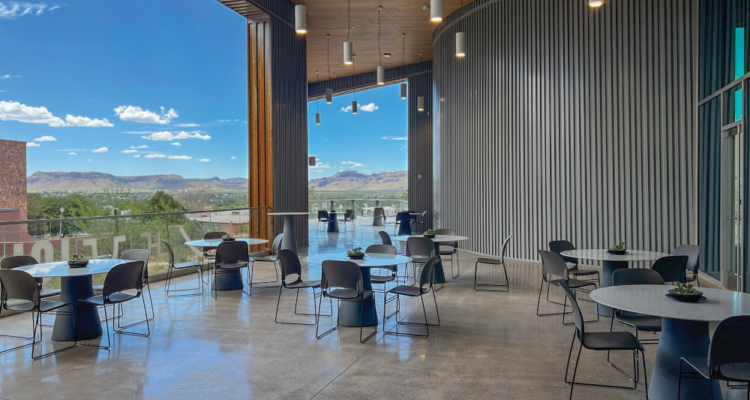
489 346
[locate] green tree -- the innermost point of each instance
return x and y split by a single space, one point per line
35 210
405 195
161 202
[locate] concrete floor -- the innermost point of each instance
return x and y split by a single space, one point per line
489 346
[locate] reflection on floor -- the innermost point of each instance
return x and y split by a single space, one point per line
490 346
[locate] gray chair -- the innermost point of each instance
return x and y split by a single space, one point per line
449 249
140 255
421 250
385 237
671 268
181 267
14 262
601 341
378 212
494 261
425 285
728 356
348 217
291 278
342 280
693 253
391 272
123 283
554 266
230 257
21 293
322 217
209 253
558 246
271 258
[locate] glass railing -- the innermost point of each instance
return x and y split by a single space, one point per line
360 206
109 236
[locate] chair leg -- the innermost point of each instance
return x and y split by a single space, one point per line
317 320
575 371
361 328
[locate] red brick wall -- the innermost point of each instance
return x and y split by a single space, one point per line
13 175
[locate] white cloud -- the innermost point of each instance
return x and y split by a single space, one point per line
100 150
155 155
15 9
129 151
169 136
176 144
7 76
72 153
204 160
180 158
353 164
189 125
368 107
15 111
87 122
139 147
346 109
3 91
137 114
318 170
394 138
319 164
45 139
234 158
88 159
32 144
137 155
229 120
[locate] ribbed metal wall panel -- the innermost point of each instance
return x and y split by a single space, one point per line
565 122
420 146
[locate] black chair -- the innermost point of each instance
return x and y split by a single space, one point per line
21 293
181 267
449 249
558 246
271 258
291 267
123 283
209 252
386 238
728 356
342 280
692 252
671 268
230 257
553 265
392 271
400 216
425 285
322 217
145 256
14 262
420 221
494 261
601 341
421 250
348 217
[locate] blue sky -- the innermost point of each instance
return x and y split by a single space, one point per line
157 87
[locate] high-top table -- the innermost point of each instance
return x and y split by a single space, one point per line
290 239
348 310
611 263
684 331
439 274
333 222
232 279
75 284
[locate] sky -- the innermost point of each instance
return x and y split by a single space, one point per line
147 87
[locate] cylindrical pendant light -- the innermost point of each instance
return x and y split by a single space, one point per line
317 112
436 10
354 107
420 103
300 19
596 3
348 51
317 118
329 96
460 44
381 69
311 161
403 91
381 75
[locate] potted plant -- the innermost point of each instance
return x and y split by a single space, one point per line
228 238
78 261
686 293
355 253
430 233
618 249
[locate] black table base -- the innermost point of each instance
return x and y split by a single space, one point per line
87 322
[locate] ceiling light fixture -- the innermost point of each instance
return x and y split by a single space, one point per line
596 3
403 64
329 92
300 18
436 10
381 69
348 48
460 37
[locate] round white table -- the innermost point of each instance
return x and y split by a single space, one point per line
439 274
75 284
684 330
349 311
612 262
290 239
232 279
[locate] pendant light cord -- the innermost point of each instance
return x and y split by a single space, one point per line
317 79
379 52
349 32
354 71
403 50
462 15
328 56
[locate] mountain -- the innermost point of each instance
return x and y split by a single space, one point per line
97 181
347 181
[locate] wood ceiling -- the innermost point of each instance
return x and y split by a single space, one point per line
398 16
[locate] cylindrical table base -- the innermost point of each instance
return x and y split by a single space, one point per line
228 280
87 325
609 268
290 240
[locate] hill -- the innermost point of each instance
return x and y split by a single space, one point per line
348 181
97 181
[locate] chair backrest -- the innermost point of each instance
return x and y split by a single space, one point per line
14 262
378 212
341 274
276 246
18 286
636 276
381 249
505 248
402 216
580 325
451 232
427 276
692 252
424 214
138 255
170 252
553 264
125 276
729 344
349 214
420 246
290 265
232 252
558 246
385 237
671 268
322 214
213 235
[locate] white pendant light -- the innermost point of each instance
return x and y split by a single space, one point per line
596 3
329 92
460 37
329 96
348 48
403 64
436 10
420 103
403 91
300 19
381 75
381 69
354 107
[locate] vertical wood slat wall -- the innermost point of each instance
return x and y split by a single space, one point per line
565 122
420 146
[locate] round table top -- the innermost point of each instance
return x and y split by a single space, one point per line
370 260
437 238
215 242
61 269
288 213
652 300
602 255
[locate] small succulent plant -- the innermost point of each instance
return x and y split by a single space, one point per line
78 259
618 247
688 289
227 236
429 232
357 251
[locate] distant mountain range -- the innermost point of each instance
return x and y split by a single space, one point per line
97 181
